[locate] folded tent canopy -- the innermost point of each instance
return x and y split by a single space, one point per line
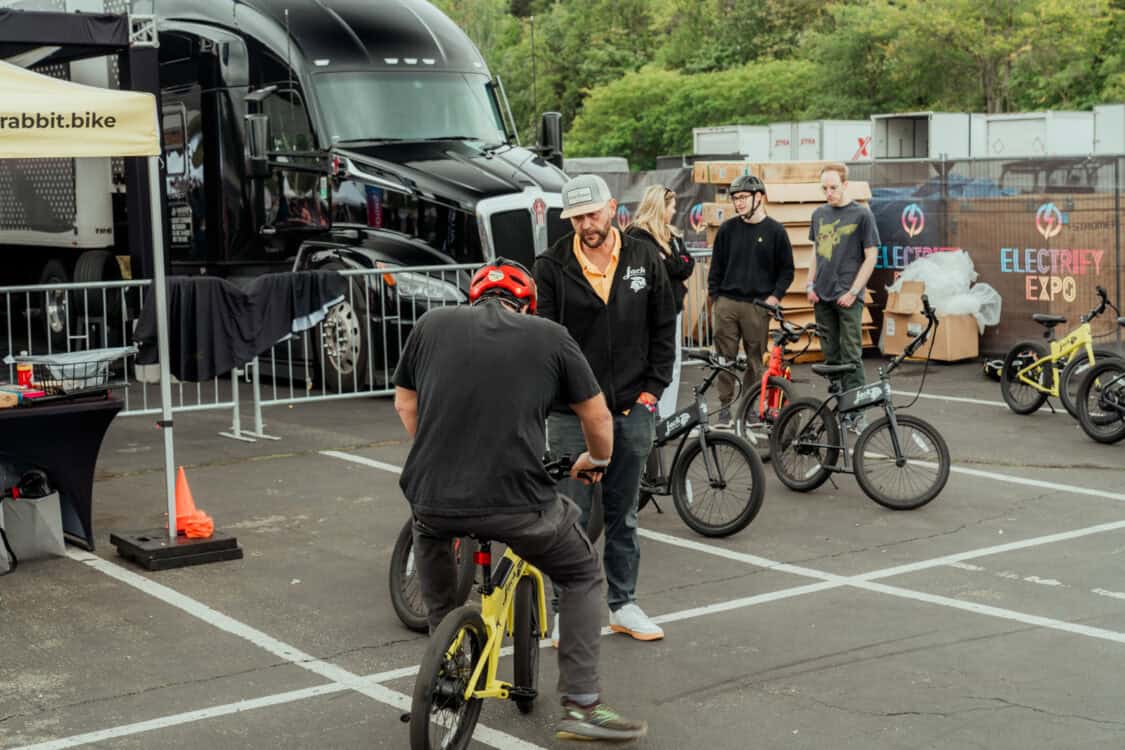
47 117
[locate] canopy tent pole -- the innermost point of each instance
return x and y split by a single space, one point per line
160 295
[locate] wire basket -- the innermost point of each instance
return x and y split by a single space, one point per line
72 372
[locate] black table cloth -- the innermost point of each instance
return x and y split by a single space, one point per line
63 439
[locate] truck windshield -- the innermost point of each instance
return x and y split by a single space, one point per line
409 105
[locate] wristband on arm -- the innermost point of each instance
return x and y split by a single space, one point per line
599 462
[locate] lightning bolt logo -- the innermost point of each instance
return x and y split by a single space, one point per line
913 220
1048 220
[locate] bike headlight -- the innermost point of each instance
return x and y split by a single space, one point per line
419 286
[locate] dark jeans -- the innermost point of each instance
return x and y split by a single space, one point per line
841 338
633 434
551 540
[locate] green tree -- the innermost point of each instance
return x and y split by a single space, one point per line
652 112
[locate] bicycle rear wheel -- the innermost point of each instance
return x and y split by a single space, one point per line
406 594
1021 397
440 716
751 424
924 471
1101 401
1073 373
803 443
723 500
526 632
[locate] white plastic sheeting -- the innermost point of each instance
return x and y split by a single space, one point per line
949 284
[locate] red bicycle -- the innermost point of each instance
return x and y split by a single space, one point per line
761 405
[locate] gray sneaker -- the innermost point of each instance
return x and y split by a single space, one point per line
723 420
597 722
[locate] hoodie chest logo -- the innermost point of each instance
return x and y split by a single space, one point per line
636 278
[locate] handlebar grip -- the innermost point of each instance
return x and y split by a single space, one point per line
767 306
926 308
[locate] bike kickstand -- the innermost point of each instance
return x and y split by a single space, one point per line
1051 406
656 505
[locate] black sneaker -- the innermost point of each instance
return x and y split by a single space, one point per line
723 420
597 722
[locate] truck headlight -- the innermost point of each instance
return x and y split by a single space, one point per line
419 286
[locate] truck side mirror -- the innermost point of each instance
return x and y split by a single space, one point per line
257 135
551 138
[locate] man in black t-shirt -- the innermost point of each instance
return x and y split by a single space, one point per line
752 260
473 387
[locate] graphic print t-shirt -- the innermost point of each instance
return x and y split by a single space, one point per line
839 236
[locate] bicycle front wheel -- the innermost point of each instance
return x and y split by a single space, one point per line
723 498
924 468
1021 396
1073 373
752 424
440 716
803 444
526 632
1101 401
406 594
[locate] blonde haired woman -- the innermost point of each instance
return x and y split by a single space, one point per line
653 224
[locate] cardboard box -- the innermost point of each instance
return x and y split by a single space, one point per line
715 214
810 192
711 232
699 172
724 172
957 336
792 171
803 256
800 280
798 235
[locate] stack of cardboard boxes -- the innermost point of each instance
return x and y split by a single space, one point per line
793 192
957 336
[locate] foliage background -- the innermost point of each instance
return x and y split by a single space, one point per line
633 77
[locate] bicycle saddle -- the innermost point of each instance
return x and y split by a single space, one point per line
1048 320
828 371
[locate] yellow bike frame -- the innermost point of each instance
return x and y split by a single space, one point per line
1080 338
498 611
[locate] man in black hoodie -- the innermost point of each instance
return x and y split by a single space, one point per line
612 293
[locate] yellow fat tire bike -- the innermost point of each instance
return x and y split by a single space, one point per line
1034 371
461 664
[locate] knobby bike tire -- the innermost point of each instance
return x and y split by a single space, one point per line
750 425
525 641
1019 396
406 598
791 423
441 683
1103 381
739 472
910 427
1073 373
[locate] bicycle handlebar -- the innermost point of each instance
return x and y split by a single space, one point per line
559 468
917 341
1100 307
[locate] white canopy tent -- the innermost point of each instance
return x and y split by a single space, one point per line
47 117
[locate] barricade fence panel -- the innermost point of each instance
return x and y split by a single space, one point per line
59 318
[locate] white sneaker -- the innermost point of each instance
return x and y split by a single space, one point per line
631 620
555 633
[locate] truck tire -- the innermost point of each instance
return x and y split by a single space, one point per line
93 267
342 339
53 307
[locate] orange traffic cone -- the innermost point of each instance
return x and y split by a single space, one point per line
191 522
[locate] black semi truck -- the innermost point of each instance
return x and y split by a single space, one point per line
302 134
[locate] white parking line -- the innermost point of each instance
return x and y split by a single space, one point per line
954 399
338 676
364 461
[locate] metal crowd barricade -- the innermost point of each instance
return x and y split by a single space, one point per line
697 331
55 318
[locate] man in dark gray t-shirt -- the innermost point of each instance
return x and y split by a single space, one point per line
847 242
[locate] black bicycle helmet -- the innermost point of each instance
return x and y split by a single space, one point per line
747 183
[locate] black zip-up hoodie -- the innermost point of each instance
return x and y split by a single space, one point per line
630 342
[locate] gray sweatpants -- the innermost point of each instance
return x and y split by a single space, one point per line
551 540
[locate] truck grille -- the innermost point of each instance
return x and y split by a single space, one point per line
512 236
557 227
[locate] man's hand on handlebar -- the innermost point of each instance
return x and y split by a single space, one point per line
584 470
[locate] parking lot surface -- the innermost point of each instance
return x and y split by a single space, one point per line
993 617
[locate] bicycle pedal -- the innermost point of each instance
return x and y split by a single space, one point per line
522 693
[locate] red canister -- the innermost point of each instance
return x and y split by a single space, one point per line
23 374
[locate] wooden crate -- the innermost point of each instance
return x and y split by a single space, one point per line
803 256
715 214
798 235
810 192
792 171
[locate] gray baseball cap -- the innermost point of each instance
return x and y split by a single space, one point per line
584 194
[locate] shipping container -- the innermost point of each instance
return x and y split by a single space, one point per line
920 135
783 141
1109 129
842 140
1050 133
978 136
749 141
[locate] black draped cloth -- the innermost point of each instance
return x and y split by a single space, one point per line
215 326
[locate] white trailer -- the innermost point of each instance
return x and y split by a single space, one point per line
920 135
1029 134
783 141
752 142
1109 129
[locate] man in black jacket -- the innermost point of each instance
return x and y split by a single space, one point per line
612 293
752 260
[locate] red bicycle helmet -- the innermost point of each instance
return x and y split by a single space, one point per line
504 278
